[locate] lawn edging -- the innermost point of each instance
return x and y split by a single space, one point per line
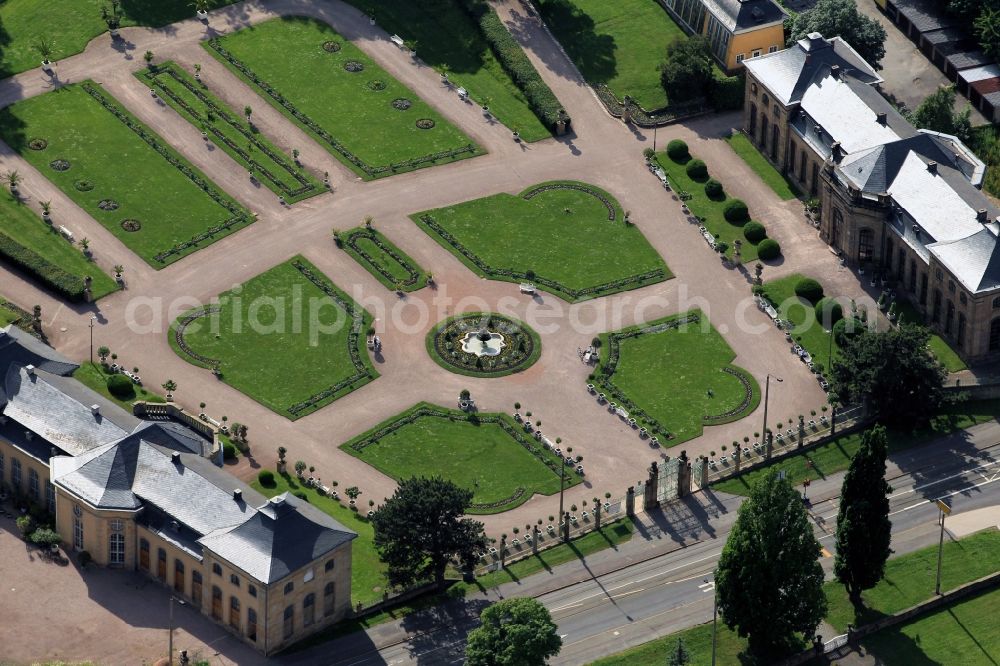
348 241
430 343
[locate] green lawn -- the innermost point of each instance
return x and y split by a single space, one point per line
109 162
621 44
697 640
835 456
352 114
228 129
8 316
743 147
709 210
447 37
377 254
557 235
94 377
962 633
27 228
283 340
479 452
941 350
71 24
673 372
807 331
909 579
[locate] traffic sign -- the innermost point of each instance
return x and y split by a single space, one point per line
945 509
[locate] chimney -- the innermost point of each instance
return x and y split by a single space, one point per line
95 410
981 216
932 166
53 452
835 71
238 495
175 458
30 369
880 118
175 526
836 151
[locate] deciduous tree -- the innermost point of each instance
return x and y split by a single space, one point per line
513 632
937 113
841 18
687 72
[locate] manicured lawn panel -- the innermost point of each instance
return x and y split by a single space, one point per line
121 166
835 456
557 235
27 228
94 377
229 130
697 640
807 331
621 44
709 210
447 37
964 632
380 257
283 341
469 450
287 56
675 374
909 579
743 147
943 351
8 316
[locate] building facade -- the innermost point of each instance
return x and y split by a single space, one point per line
145 496
895 200
735 29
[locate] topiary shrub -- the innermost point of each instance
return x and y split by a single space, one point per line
768 249
828 312
809 289
696 170
120 386
266 478
677 150
847 329
754 232
713 189
736 212
229 451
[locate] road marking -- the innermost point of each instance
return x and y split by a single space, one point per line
825 552
707 587
951 494
970 470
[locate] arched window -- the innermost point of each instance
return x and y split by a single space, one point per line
995 334
308 609
161 565
34 490
949 316
775 140
329 565
765 100
289 622
328 600
996 302
837 228
866 245
216 603
960 335
764 127
116 549
234 613
196 589
752 126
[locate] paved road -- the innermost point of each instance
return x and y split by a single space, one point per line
605 613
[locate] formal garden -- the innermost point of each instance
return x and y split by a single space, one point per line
725 219
493 455
37 248
568 238
368 120
483 344
232 131
673 376
380 257
288 338
121 173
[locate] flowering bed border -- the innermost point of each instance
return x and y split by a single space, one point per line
727 416
647 119
186 320
415 275
510 360
530 194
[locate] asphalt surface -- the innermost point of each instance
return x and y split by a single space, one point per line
609 612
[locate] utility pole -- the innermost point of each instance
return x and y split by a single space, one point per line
767 393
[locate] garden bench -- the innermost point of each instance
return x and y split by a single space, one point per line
66 233
397 40
463 94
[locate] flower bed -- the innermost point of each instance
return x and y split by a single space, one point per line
415 278
522 345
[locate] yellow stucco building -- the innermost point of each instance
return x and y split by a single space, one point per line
735 29
146 495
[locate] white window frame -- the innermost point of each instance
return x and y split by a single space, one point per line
77 534
755 53
116 549
739 58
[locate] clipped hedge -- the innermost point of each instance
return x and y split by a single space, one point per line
696 170
726 94
736 212
266 478
541 99
768 249
809 289
54 277
229 451
713 189
754 232
677 150
829 312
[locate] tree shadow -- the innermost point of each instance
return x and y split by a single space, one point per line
437 635
592 52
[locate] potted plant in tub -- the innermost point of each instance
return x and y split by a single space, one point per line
201 9
112 15
46 211
44 47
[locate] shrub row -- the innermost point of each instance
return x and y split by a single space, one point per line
412 273
55 277
541 99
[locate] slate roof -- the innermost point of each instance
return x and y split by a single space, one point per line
739 15
22 348
974 259
925 15
284 535
789 73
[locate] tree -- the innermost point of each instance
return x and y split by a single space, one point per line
169 386
893 371
44 46
864 530
769 580
987 30
103 353
300 467
937 113
421 528
148 57
833 18
112 14
679 656
513 632
687 73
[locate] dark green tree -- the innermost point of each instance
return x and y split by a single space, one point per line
687 73
937 113
421 528
966 10
769 580
892 371
986 26
513 632
841 18
679 655
864 530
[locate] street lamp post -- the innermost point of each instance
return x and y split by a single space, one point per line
654 137
767 391
562 487
93 318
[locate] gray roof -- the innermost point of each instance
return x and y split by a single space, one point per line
925 15
284 535
22 348
975 259
739 15
789 73
966 59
